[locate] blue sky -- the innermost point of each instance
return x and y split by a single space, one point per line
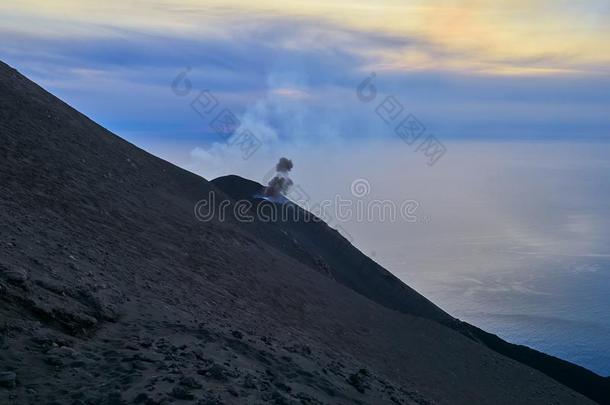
466 70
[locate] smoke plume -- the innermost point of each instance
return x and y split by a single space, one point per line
281 182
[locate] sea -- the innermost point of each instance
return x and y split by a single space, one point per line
511 237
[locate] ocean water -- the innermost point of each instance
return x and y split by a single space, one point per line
554 303
511 237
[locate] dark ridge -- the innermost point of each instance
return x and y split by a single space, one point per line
346 264
572 375
314 243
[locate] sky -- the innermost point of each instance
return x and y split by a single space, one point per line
512 214
289 71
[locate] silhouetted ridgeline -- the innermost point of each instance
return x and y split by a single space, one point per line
316 244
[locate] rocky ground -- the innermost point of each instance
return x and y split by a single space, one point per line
167 362
112 292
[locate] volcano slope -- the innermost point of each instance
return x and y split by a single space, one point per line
311 241
112 292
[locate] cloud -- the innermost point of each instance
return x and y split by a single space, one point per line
292 80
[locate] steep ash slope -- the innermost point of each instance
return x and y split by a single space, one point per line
112 292
312 242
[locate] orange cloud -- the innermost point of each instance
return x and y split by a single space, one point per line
501 36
